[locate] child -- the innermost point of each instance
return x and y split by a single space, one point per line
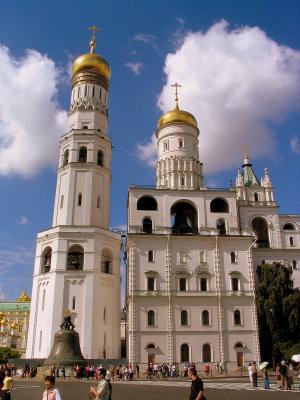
50 393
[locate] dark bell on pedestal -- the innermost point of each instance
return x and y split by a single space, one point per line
66 347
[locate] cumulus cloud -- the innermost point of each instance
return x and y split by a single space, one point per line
31 120
147 152
295 144
135 67
23 220
237 83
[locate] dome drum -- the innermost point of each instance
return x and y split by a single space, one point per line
90 76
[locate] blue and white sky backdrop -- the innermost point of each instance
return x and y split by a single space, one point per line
239 66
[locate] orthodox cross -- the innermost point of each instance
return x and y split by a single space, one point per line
176 86
93 29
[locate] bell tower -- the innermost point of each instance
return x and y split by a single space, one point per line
77 264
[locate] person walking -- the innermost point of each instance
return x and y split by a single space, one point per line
50 392
196 386
266 378
250 370
7 386
254 374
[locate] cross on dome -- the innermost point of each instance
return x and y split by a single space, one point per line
93 29
176 85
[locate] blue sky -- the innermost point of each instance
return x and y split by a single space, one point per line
240 78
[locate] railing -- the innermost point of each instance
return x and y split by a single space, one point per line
164 230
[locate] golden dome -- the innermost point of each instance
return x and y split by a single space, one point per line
24 297
177 115
93 62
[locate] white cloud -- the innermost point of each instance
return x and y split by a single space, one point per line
135 67
236 83
31 120
147 38
295 144
147 152
10 258
23 220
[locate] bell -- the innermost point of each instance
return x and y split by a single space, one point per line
66 347
47 262
181 224
75 261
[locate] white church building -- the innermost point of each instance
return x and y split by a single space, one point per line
192 253
77 263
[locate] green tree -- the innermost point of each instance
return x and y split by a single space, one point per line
278 308
6 353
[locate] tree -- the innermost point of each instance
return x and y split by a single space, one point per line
278 309
6 353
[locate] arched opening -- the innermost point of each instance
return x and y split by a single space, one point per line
184 353
221 226
151 352
288 227
75 258
233 257
260 229
184 318
66 157
239 354
219 205
151 346
255 197
106 261
151 318
100 158
46 260
205 317
150 256
82 155
147 203
237 317
183 219
147 225
206 353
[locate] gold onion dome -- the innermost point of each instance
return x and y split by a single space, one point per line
91 61
177 115
24 297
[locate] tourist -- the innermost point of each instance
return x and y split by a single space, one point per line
50 392
283 372
254 374
266 378
102 391
196 386
278 375
7 385
250 370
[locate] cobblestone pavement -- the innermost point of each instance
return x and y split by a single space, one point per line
155 390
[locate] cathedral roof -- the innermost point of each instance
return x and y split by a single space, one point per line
177 115
91 61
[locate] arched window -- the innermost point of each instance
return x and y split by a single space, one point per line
85 127
46 260
79 200
237 317
98 202
288 227
61 201
93 91
184 353
292 242
82 156
255 197
151 346
106 261
100 157
150 256
147 203
205 317
151 318
219 205
221 226
147 225
183 218
184 318
233 257
206 353
75 258
295 264
260 229
66 157
73 303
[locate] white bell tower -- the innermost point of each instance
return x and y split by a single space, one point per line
77 267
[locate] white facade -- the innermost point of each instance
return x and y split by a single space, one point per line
191 256
77 264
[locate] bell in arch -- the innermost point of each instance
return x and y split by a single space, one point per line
181 223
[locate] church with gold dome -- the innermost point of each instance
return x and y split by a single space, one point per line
14 321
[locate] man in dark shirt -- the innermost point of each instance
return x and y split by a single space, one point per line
196 387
